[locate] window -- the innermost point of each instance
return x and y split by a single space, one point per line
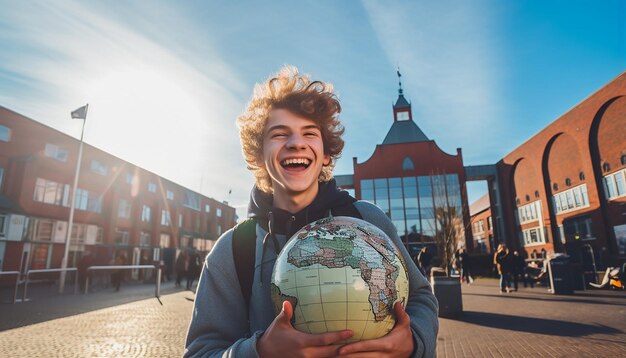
192 200
169 194
407 164
144 239
165 218
5 133
56 152
84 200
123 210
122 237
1 176
43 230
533 236
207 208
100 235
527 197
578 229
129 178
537 194
489 223
529 212
219 230
152 187
622 159
3 221
555 186
581 175
606 167
568 181
180 220
615 184
571 199
79 233
218 212
49 192
403 116
99 168
145 214
164 241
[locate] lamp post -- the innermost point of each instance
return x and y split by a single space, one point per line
80 113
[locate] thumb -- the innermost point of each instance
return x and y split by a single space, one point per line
401 316
287 311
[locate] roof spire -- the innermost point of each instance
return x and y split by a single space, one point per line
399 81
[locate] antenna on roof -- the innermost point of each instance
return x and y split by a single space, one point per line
399 81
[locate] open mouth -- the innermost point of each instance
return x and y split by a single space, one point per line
296 163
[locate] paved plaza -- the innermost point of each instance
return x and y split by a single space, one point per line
131 323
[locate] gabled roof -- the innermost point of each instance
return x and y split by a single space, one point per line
404 132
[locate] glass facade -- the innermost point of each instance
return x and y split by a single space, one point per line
410 202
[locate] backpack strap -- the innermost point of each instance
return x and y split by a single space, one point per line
244 250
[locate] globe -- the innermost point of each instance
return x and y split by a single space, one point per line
341 273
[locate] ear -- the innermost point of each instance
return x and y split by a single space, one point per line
326 161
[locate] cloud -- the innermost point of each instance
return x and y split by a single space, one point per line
450 65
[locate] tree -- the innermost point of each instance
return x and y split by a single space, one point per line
449 227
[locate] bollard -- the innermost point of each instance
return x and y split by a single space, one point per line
157 289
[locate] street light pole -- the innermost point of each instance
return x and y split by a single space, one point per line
83 116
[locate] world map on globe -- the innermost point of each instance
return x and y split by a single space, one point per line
341 273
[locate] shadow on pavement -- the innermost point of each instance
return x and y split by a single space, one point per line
550 298
534 325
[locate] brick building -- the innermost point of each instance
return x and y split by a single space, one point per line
412 180
482 225
119 206
564 188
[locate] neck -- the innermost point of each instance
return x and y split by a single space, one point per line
294 202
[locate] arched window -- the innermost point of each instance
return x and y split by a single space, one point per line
568 181
527 197
555 186
606 167
407 164
581 175
623 159
536 193
517 201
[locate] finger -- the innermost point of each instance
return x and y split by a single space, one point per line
401 316
325 339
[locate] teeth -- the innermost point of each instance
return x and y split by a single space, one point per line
302 161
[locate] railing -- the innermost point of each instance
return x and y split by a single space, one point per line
24 298
157 289
17 282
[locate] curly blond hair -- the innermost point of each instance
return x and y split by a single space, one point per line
294 92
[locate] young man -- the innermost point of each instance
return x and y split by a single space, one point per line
291 138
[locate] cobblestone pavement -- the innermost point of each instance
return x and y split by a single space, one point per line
535 323
528 323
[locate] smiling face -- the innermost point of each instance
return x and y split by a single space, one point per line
293 154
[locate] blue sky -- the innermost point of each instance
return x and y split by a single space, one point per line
481 75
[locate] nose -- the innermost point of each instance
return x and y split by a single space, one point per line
296 141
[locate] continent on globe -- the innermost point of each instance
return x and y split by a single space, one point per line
334 246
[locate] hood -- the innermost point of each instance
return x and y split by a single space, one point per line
285 223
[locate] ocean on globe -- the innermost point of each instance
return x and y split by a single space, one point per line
341 273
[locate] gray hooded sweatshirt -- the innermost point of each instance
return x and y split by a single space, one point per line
220 327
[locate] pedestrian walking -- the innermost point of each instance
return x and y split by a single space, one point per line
503 263
423 259
519 269
466 266
193 269
182 261
85 261
118 276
